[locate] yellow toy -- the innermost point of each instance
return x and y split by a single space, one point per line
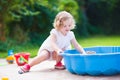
4 78
10 59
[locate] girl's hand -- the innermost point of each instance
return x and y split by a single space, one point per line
84 52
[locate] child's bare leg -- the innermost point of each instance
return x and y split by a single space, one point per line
59 64
44 55
58 58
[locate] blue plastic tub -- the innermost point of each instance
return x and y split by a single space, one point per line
106 61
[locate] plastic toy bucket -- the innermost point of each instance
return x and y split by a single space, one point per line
21 58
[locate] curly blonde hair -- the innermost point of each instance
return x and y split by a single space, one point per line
61 17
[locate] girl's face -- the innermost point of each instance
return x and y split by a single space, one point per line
66 27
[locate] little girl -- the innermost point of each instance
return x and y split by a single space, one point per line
59 40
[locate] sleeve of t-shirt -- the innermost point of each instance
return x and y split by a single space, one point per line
53 31
71 36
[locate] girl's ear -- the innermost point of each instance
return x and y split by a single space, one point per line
57 23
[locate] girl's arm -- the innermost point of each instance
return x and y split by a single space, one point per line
77 46
53 43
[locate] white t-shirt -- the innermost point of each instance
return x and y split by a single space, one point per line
62 41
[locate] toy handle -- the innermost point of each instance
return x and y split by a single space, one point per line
24 59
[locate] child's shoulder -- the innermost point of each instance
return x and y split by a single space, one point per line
53 31
71 32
